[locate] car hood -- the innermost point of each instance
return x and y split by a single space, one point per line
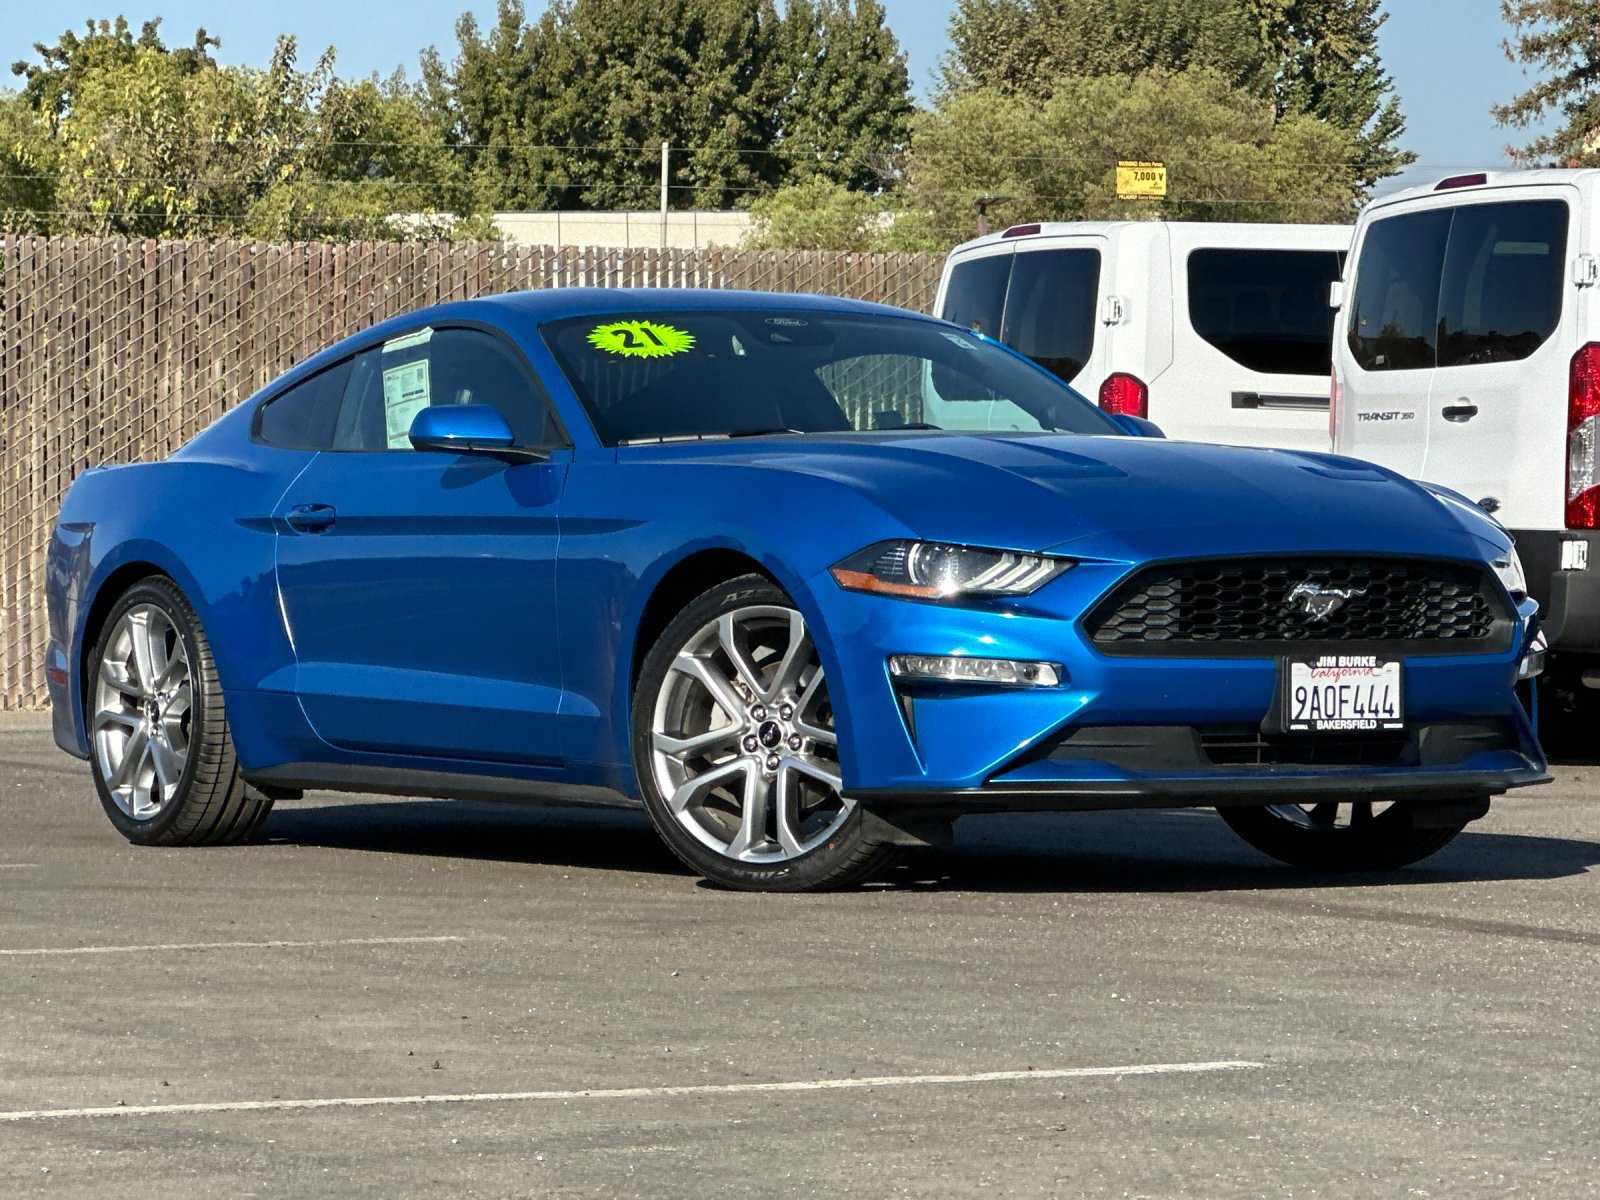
1122 498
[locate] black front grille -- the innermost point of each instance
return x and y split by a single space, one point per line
1251 748
1257 606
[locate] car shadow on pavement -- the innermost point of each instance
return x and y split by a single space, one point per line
1193 851
1129 852
598 839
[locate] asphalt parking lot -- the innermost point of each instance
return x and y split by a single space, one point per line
505 1001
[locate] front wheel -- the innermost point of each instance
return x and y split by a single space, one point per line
735 748
161 751
1360 835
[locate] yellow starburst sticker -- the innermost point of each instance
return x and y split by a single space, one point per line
640 339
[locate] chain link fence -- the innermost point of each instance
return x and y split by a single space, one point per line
115 351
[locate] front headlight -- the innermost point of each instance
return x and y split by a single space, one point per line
940 571
1508 569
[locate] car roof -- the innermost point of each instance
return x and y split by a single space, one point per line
1215 229
555 304
1540 177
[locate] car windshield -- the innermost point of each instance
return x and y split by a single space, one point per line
649 376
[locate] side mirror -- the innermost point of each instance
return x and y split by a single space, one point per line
1336 294
1136 426
466 429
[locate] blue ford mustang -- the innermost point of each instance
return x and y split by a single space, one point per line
805 577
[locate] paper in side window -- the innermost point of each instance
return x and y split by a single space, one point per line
405 394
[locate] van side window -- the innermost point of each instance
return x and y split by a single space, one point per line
1503 281
976 295
1266 309
1394 313
1050 308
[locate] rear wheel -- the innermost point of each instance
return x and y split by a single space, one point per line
1360 835
735 748
160 750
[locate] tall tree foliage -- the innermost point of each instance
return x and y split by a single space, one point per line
1327 65
1561 40
570 110
1228 157
51 84
1315 57
1023 47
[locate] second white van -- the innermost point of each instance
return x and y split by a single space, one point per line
1467 353
1216 332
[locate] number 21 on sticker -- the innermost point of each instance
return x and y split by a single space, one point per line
640 339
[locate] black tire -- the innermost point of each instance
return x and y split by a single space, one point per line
211 805
1387 841
846 859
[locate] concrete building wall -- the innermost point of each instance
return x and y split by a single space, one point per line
688 230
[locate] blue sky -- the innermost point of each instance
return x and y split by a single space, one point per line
1448 71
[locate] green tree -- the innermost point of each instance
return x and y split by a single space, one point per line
1329 67
1560 39
818 214
846 108
1023 46
1228 157
27 168
51 84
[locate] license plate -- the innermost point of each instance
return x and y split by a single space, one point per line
1342 693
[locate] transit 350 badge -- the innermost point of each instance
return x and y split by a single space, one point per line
640 339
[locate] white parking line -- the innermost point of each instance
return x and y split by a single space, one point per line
51 951
633 1093
18 866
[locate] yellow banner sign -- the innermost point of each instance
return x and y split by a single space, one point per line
1141 181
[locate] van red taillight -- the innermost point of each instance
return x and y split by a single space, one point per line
1021 231
1125 394
1583 439
1478 179
1333 410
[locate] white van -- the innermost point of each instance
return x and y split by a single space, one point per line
1467 353
1216 332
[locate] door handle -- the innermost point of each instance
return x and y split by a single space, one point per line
311 518
1460 412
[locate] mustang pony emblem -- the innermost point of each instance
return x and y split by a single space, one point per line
1318 601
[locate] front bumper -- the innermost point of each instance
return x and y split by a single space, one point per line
972 747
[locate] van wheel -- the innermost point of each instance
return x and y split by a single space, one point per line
1361 835
160 750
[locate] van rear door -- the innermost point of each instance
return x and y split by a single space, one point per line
1497 407
1251 358
973 290
1390 334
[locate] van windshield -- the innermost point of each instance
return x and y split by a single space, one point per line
644 376
1267 310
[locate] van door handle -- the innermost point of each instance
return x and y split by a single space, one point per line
312 518
1460 412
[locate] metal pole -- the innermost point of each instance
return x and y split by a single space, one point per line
666 153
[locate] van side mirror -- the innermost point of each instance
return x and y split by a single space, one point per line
1336 294
1137 426
467 429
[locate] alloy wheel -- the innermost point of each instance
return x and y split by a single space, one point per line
142 716
742 744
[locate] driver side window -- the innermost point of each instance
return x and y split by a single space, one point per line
389 384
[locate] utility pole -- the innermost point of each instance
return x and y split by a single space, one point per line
982 205
666 154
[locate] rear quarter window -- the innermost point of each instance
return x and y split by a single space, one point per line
303 417
1267 310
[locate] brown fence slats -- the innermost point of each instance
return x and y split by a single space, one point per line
115 351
